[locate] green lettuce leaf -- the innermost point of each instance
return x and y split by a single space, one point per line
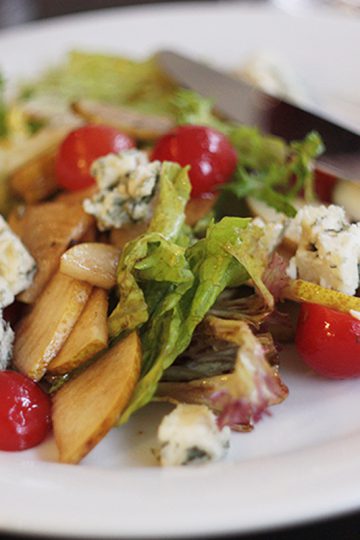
169 330
102 77
157 257
173 194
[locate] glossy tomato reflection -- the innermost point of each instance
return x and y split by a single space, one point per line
329 341
80 149
209 153
25 412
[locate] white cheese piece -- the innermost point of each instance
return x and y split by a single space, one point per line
273 234
17 267
189 434
127 184
329 249
6 295
6 343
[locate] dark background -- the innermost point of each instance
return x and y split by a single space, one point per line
13 12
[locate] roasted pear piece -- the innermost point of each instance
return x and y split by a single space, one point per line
88 337
41 334
87 406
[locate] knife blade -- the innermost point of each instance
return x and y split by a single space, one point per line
240 102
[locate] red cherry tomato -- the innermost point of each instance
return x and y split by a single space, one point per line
81 147
209 153
329 341
24 412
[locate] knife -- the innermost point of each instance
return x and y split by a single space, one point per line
240 102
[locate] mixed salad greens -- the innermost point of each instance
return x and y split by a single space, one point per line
146 291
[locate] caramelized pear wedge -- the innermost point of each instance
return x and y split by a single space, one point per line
88 337
47 230
35 180
304 291
88 406
41 334
138 125
120 237
93 262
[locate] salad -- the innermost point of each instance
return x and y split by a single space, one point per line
151 250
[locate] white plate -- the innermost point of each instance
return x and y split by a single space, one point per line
299 464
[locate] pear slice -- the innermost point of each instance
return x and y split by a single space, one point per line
88 406
139 125
88 337
47 229
299 290
35 180
41 334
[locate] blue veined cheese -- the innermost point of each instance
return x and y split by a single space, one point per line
127 184
17 267
6 295
329 249
6 343
189 434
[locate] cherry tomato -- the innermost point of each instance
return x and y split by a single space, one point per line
81 147
24 412
209 153
329 341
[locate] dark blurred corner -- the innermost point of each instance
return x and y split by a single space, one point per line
13 12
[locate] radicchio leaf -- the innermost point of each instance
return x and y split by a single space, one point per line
239 398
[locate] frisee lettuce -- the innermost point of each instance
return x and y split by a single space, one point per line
268 169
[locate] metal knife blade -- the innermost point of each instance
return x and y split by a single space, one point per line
245 104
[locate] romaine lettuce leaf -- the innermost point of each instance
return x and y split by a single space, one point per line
169 330
154 263
173 194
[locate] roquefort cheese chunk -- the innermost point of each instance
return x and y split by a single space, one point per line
189 434
127 184
17 267
329 249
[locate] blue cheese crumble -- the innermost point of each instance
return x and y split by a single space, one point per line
190 435
17 267
6 343
328 252
127 185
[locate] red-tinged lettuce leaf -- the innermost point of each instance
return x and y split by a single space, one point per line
275 277
241 397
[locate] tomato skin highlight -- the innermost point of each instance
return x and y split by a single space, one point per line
209 153
81 147
329 341
25 412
